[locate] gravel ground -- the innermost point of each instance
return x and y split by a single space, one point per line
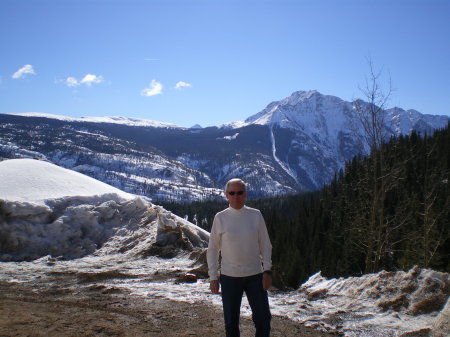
42 309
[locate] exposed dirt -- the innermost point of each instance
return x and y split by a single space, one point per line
56 309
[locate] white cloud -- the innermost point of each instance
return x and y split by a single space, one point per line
90 79
154 89
71 82
87 80
182 84
26 69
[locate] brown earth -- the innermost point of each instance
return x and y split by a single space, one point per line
59 309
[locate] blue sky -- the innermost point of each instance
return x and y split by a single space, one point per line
209 62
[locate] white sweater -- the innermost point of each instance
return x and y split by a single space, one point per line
240 237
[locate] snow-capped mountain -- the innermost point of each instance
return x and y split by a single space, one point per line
104 119
296 144
318 133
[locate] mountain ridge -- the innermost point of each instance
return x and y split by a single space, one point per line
293 145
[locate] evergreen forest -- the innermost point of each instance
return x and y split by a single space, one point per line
386 211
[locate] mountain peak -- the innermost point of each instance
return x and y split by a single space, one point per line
285 111
299 96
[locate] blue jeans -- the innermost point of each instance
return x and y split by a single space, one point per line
232 290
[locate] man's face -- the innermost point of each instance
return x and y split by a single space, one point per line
236 195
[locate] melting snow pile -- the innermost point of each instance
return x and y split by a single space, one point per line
382 304
34 181
48 212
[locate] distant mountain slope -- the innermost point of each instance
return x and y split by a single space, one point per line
89 148
107 119
296 144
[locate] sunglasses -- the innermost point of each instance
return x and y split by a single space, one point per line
233 192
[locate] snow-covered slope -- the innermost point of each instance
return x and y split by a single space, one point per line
35 181
321 121
102 119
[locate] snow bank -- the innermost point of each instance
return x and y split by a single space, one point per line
156 232
382 304
69 227
35 181
418 291
49 210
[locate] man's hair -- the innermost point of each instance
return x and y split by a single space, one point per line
235 180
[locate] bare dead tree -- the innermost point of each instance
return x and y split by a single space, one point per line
371 113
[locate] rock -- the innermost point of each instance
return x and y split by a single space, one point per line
417 333
186 278
441 326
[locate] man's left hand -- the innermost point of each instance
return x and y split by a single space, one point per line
266 281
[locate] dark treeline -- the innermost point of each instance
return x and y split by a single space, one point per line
387 211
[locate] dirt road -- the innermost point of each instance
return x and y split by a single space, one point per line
36 310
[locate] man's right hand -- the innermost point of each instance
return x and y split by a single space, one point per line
214 286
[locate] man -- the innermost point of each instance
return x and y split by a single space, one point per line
239 236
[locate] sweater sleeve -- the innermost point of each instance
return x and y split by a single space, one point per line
212 254
265 245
